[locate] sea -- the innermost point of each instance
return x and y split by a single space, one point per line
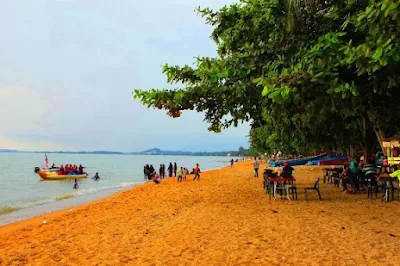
24 195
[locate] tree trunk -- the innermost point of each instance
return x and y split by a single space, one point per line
364 137
369 138
380 135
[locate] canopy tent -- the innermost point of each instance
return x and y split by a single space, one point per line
391 142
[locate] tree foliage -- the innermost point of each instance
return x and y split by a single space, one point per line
307 74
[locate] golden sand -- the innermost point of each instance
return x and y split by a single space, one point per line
224 219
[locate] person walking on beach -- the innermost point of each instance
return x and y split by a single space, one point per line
256 165
180 173
232 162
196 173
175 168
170 168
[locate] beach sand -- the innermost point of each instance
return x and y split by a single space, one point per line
224 219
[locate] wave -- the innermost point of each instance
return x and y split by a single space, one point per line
79 193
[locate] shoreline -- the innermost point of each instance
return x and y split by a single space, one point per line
226 218
48 207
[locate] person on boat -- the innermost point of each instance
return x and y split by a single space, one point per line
61 171
66 169
76 186
96 177
81 169
53 166
287 170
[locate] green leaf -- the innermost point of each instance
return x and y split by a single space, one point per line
378 53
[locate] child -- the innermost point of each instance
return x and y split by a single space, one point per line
76 186
180 173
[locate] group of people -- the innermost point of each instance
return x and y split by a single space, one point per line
70 169
354 172
173 171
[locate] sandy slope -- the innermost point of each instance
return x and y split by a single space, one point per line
225 219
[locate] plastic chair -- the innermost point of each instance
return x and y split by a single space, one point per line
315 187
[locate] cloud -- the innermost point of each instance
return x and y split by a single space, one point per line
9 143
23 108
68 69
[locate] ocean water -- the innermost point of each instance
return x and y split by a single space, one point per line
22 191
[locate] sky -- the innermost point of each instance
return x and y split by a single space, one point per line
68 69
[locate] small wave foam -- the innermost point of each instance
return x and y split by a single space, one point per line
86 191
80 192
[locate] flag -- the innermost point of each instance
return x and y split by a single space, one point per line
46 161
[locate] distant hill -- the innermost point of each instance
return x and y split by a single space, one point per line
8 150
153 151
157 151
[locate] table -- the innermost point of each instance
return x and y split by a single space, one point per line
277 180
328 174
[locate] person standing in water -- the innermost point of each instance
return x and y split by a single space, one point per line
196 171
76 186
96 176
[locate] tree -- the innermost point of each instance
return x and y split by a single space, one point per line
326 83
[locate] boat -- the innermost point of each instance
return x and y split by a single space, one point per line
331 161
55 176
293 162
38 169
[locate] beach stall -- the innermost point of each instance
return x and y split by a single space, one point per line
389 144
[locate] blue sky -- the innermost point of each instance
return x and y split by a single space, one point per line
68 68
